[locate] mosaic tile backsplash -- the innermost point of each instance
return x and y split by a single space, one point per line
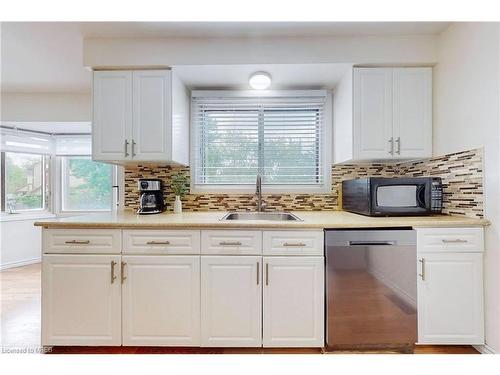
462 175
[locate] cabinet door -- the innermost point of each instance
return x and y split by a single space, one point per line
152 115
373 137
412 112
161 300
450 298
112 115
293 302
231 301
81 303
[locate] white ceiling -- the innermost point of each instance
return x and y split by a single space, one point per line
284 76
256 29
47 56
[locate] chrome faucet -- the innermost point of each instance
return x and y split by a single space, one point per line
260 206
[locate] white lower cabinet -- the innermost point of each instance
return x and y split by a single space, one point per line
450 298
161 300
231 301
81 300
293 312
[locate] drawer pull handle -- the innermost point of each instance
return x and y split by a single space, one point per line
158 243
113 277
267 274
226 243
122 272
294 244
457 240
258 272
78 242
422 275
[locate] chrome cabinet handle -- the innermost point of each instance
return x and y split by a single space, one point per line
391 142
122 272
267 274
78 242
258 273
227 243
422 275
113 277
398 149
126 148
294 244
158 243
133 148
456 240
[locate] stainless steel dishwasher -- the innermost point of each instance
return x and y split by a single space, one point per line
371 286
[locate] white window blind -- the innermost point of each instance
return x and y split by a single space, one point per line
26 142
237 136
69 145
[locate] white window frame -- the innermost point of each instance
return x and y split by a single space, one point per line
326 146
46 187
116 201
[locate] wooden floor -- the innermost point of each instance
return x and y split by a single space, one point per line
20 325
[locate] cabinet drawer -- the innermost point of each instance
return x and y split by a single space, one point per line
293 243
231 242
82 241
450 239
161 242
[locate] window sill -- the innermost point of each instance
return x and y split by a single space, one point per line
4 217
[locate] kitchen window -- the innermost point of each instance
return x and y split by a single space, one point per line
283 136
23 182
83 185
86 185
25 166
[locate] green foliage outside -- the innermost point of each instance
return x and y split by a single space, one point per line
20 195
231 154
89 185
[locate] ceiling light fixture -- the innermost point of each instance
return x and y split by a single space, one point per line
260 80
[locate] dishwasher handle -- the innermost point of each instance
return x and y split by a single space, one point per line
372 243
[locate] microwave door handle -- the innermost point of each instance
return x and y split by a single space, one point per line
421 196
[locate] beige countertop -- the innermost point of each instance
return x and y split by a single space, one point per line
311 220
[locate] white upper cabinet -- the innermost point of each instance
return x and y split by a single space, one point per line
140 116
412 112
152 113
392 115
112 115
373 113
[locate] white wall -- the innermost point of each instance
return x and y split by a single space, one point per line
342 118
466 116
126 52
20 242
45 107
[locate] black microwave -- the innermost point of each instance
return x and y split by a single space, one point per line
401 196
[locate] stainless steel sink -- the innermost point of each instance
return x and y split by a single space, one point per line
273 216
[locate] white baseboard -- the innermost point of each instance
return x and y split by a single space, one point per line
20 263
484 349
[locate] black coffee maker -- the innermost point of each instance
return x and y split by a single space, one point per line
151 201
